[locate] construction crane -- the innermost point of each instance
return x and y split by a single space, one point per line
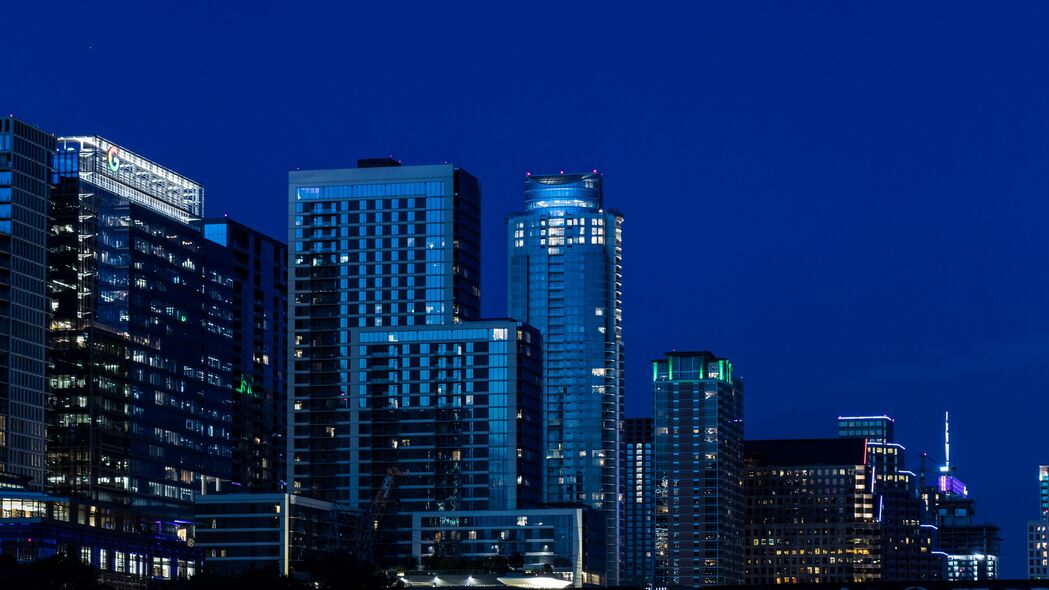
364 541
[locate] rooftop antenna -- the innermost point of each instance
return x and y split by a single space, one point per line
947 441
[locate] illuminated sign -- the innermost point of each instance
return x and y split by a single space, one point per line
113 158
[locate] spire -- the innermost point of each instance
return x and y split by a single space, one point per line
947 440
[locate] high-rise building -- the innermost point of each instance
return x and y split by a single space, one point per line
971 548
140 336
455 409
698 444
907 532
25 176
380 245
639 502
565 278
1038 531
810 512
402 400
258 266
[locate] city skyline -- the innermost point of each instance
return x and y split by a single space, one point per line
879 216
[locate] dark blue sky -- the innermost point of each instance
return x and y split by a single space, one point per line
850 203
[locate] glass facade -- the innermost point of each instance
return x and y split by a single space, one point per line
698 439
811 513
258 267
373 246
639 506
276 532
565 278
140 337
25 168
127 549
455 409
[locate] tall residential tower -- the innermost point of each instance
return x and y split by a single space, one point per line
25 170
565 278
378 246
698 436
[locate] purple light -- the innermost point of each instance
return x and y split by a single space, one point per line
952 485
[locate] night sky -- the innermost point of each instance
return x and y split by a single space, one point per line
847 199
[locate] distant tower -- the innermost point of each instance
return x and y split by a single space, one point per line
972 548
1038 531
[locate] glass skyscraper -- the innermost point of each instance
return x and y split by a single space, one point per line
381 245
395 380
25 169
565 278
455 409
141 333
698 437
639 506
258 265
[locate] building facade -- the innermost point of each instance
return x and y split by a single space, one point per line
25 176
546 547
128 549
698 446
810 512
380 245
275 531
639 504
455 409
1038 531
140 375
908 530
258 266
565 278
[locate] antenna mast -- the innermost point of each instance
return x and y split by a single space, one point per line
947 440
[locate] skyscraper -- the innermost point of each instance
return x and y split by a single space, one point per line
699 469
639 505
565 278
908 535
258 266
972 548
25 170
140 334
455 410
1038 531
381 245
810 512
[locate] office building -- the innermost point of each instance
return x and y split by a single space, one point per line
25 176
810 512
128 549
380 245
907 529
639 503
536 548
565 278
257 264
698 444
275 531
141 376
